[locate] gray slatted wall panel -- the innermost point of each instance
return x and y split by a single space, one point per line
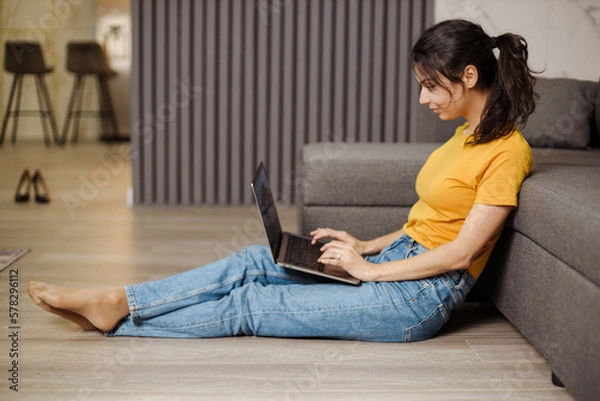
218 85
136 93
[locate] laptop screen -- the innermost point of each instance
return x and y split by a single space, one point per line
266 206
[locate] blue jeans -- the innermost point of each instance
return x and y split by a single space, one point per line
248 294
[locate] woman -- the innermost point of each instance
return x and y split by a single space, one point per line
412 278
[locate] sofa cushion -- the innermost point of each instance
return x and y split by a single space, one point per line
360 174
559 210
596 136
571 157
360 221
564 114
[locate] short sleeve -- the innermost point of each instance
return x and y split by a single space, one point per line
507 169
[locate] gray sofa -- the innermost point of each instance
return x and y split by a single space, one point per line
544 274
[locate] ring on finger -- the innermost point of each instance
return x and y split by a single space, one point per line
339 256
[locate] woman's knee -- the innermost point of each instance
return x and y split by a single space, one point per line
257 251
257 255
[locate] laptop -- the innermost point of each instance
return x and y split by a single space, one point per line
290 250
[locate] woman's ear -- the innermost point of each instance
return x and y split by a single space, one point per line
470 76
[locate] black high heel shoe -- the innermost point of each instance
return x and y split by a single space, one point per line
41 190
22 194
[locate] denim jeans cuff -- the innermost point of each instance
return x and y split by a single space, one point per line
133 309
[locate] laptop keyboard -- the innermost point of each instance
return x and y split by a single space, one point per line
301 252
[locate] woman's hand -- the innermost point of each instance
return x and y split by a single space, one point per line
345 252
338 235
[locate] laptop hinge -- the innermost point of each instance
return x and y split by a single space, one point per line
282 248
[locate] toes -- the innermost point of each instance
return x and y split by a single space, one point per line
33 287
35 299
32 295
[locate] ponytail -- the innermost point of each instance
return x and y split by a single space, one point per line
511 96
447 48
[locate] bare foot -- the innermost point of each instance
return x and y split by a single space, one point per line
72 316
102 308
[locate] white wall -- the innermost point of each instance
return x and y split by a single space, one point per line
563 35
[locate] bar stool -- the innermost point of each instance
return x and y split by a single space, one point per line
88 58
22 58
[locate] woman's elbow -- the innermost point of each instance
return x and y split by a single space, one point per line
461 264
462 259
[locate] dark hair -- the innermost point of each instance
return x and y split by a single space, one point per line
447 48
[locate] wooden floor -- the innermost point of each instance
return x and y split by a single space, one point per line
88 236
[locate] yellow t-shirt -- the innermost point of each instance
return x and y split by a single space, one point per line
455 177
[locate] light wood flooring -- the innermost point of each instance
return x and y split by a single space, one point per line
88 236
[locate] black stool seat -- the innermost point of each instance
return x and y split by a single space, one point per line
88 58
22 58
